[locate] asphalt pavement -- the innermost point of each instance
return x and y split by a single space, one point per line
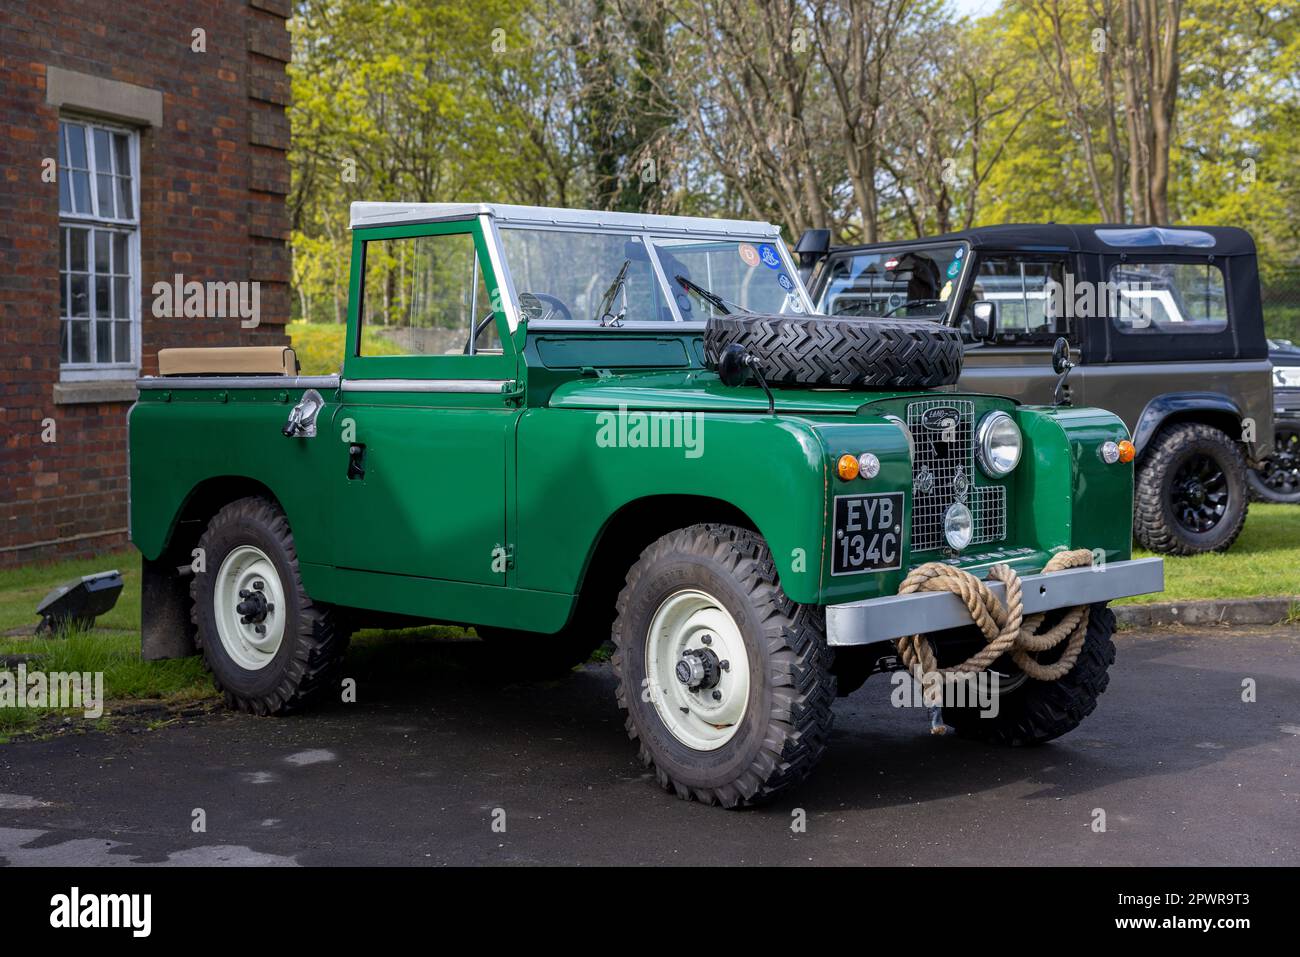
440 763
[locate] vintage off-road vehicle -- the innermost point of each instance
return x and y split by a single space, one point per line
1166 323
1277 478
561 427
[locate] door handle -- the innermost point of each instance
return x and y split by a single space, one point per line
356 461
302 417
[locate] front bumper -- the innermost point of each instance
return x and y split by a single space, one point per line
894 616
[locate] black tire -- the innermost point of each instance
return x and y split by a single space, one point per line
307 661
1034 712
848 353
1163 519
787 720
1277 479
529 654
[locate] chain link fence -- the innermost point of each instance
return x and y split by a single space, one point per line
1281 294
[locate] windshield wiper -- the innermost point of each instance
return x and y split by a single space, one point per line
607 301
712 298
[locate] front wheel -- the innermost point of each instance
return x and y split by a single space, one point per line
726 682
1190 493
270 648
1032 712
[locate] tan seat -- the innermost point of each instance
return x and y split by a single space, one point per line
228 360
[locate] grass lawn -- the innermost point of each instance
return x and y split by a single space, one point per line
113 647
1264 561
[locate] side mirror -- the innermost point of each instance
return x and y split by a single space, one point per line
732 368
984 320
811 249
1061 361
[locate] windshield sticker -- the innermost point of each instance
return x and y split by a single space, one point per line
958 253
749 254
954 267
946 292
767 253
784 282
793 302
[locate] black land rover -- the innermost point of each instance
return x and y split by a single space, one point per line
1165 324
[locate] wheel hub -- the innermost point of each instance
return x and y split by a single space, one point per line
699 669
248 602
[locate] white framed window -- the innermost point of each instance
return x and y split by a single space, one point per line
99 250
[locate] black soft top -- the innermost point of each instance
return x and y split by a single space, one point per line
1099 238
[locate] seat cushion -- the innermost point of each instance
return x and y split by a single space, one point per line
228 360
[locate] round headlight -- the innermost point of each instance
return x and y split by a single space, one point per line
868 465
997 444
957 526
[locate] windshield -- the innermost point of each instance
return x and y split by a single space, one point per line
609 278
905 282
746 276
566 274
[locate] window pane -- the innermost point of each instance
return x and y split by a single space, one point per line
63 144
906 283
76 134
63 249
103 153
80 192
80 340
80 294
122 151
122 298
121 260
418 295
77 249
102 240
124 204
103 305
63 294
1169 298
63 341
65 192
122 342
104 192
103 342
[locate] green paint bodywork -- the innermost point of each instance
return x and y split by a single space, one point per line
486 508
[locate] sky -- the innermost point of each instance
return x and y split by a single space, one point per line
974 8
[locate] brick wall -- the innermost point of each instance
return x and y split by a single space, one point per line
213 179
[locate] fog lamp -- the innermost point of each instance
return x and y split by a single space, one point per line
957 526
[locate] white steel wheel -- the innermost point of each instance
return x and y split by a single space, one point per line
249 606
697 670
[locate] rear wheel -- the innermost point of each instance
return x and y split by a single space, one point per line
1190 495
725 681
270 648
1277 479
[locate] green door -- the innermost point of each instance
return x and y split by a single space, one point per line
428 407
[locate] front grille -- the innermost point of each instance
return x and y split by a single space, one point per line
943 472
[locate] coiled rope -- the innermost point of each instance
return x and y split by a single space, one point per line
1006 629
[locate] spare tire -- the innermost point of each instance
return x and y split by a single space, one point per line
847 353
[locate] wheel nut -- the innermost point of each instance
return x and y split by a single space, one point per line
260 629
258 585
724 664
707 639
717 695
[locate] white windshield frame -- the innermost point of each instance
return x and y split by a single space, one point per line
648 238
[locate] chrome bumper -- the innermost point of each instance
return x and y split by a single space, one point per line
881 619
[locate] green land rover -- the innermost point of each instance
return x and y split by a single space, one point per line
563 427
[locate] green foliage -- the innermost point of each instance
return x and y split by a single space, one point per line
319 346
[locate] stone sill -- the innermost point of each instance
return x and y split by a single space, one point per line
94 392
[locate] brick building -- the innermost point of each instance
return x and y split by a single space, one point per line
138 141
